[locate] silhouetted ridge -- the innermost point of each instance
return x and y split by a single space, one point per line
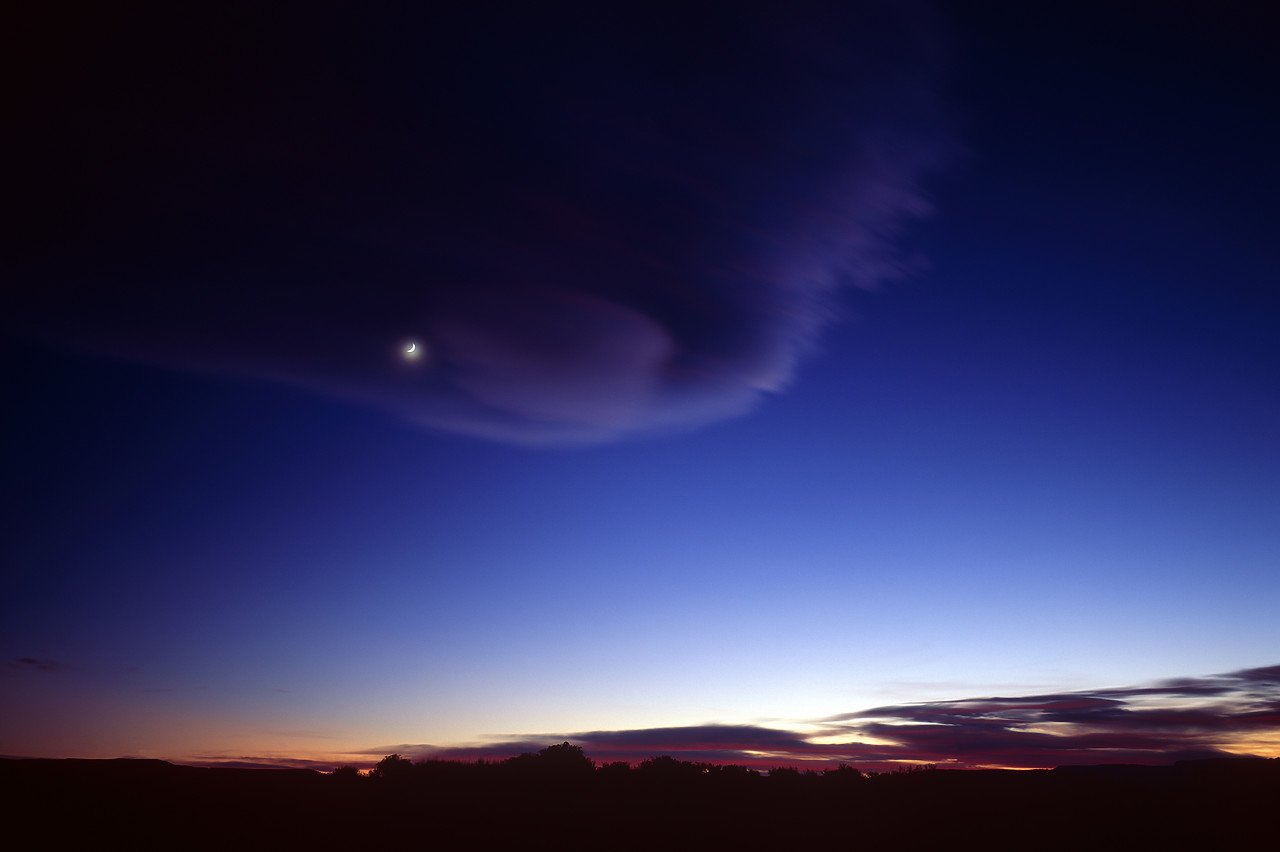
559 793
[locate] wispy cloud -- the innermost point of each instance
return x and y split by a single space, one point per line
259 762
582 241
39 665
1230 714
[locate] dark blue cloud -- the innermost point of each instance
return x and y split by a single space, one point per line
1189 718
593 221
40 665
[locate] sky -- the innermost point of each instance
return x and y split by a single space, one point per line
864 382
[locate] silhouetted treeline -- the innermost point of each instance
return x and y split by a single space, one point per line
558 798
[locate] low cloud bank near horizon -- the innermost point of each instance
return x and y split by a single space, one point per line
588 225
1228 715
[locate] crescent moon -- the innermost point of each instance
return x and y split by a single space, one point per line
412 348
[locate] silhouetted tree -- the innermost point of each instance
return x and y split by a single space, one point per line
393 767
666 766
733 770
843 773
345 774
565 760
784 772
615 769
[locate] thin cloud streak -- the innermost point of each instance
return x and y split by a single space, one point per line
1233 714
238 762
40 665
1236 714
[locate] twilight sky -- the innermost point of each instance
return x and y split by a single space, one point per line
861 381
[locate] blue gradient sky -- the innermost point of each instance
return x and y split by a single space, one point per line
1044 462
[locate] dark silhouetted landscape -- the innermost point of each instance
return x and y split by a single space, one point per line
558 798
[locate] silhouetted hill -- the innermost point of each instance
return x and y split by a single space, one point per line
558 799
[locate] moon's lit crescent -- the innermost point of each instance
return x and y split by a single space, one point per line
413 347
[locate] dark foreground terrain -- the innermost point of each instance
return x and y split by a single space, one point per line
665 804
